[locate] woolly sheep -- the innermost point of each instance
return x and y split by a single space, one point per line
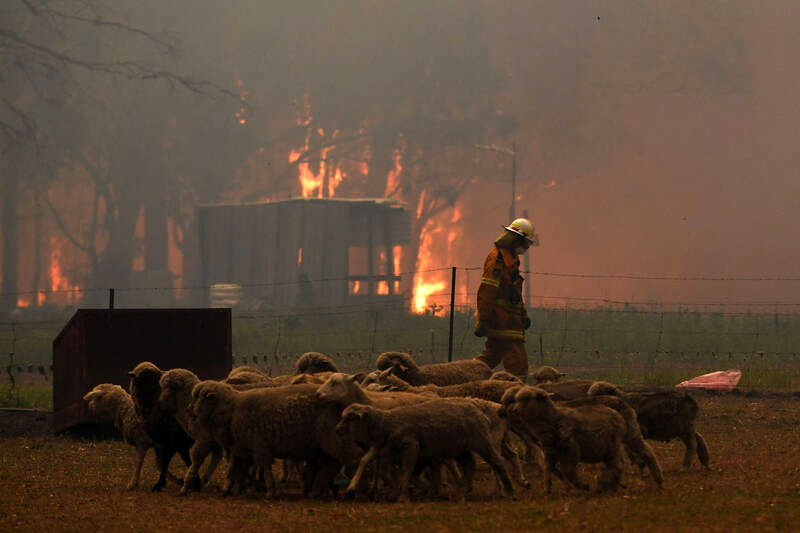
638 450
568 436
108 401
268 423
314 363
435 431
546 374
502 375
567 390
663 415
486 389
167 435
176 395
451 373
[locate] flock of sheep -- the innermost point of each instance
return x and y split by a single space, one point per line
399 425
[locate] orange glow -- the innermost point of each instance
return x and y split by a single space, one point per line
299 256
138 251
59 282
312 185
438 248
355 286
393 178
551 184
383 287
398 253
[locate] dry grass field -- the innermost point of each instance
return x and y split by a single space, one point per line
67 483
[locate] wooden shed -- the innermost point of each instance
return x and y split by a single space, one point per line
103 345
304 251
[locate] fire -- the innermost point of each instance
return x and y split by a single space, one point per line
437 248
550 185
313 185
394 174
59 282
383 287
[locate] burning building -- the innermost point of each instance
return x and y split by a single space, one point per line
304 251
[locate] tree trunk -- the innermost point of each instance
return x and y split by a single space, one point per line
9 191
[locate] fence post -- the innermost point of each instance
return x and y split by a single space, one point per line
452 316
111 298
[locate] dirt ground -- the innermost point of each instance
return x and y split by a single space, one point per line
70 483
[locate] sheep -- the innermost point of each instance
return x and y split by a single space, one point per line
502 375
588 434
314 363
451 373
317 378
567 390
108 401
245 375
546 374
167 435
486 389
176 395
663 415
434 431
638 450
268 423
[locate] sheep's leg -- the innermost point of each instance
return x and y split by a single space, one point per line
141 451
162 459
216 457
611 476
491 456
511 456
646 457
197 453
237 471
368 457
264 461
466 462
702 450
408 459
569 469
327 469
690 441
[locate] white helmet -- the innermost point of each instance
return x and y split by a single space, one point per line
524 228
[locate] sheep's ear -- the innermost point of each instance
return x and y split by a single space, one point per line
551 395
91 394
351 378
131 374
402 368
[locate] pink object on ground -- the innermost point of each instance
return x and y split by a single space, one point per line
722 380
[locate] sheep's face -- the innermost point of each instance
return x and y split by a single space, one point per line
547 374
531 403
353 421
205 398
371 378
337 389
144 387
176 388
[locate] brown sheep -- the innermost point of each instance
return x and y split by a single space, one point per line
247 375
486 389
638 450
546 374
176 395
168 436
664 415
568 436
433 431
567 390
502 375
263 424
451 373
112 402
314 363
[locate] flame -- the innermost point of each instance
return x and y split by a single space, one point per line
437 248
551 184
383 287
59 282
394 174
240 114
299 256
355 286
312 185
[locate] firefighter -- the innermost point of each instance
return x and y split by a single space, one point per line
502 317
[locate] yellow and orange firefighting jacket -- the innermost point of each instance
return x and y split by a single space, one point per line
500 306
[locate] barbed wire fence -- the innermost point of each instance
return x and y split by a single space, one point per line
628 341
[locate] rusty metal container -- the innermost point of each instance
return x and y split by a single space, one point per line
103 345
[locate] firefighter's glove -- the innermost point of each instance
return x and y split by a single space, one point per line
481 330
527 323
